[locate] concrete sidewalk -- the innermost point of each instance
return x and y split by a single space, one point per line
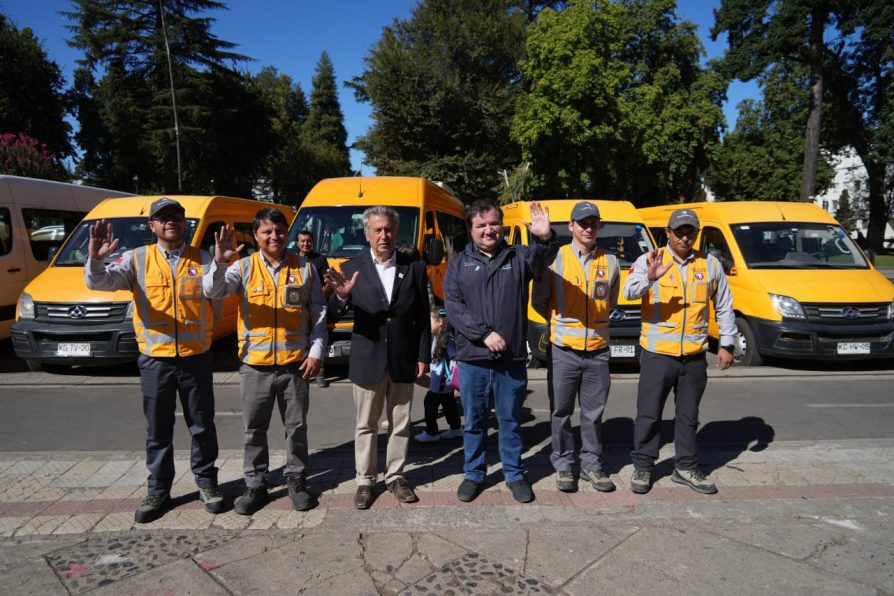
790 518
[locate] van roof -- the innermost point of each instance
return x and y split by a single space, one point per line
139 206
560 209
745 211
396 191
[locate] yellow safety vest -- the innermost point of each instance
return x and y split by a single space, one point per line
579 303
274 319
172 317
675 310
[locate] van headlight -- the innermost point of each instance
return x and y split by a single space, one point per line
891 311
788 307
128 314
25 307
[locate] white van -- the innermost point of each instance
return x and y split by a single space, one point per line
35 217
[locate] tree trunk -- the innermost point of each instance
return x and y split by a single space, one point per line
812 137
878 209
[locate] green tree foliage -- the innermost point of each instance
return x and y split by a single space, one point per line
31 98
762 159
325 122
123 102
855 60
308 141
443 86
846 215
617 105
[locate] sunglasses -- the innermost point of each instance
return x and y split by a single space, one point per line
169 217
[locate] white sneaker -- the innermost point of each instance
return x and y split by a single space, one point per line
453 433
424 437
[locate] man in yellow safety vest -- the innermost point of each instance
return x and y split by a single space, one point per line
675 284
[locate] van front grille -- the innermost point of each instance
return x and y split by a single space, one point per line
76 312
846 314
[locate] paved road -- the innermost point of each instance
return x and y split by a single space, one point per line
73 412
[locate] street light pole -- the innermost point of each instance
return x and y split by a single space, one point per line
164 32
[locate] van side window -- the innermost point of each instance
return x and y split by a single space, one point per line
208 239
660 236
245 235
713 243
453 230
47 228
5 231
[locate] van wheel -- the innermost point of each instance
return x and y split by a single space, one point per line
746 353
531 361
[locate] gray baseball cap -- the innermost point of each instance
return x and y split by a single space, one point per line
583 210
683 217
164 203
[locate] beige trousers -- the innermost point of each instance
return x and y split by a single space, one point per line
368 403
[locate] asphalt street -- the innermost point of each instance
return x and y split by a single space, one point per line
741 407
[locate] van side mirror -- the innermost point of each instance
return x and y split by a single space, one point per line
434 251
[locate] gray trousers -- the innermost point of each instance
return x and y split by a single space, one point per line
574 375
261 387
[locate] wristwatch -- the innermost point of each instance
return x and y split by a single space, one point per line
730 348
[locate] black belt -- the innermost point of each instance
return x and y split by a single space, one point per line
583 353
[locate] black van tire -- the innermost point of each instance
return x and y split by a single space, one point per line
746 353
532 361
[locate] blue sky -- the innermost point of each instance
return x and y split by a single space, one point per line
291 34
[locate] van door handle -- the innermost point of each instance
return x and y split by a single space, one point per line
14 270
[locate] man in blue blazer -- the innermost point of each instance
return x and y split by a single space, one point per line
390 348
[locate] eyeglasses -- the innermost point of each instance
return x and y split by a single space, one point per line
169 217
691 233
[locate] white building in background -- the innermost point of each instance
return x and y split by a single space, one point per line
850 175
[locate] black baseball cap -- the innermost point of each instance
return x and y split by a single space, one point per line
683 217
165 203
583 210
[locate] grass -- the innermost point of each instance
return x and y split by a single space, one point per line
884 260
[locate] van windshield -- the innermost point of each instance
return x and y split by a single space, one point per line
625 240
338 231
131 233
793 245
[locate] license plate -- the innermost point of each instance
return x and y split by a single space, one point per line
855 347
73 350
623 351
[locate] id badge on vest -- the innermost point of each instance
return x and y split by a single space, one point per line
295 296
600 290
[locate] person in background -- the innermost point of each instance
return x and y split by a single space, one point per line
440 392
173 322
675 284
321 264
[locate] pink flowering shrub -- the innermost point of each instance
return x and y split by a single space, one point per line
21 155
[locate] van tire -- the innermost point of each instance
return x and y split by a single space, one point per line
746 353
532 361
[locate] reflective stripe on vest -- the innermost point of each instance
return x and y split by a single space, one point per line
172 317
579 308
675 311
269 331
